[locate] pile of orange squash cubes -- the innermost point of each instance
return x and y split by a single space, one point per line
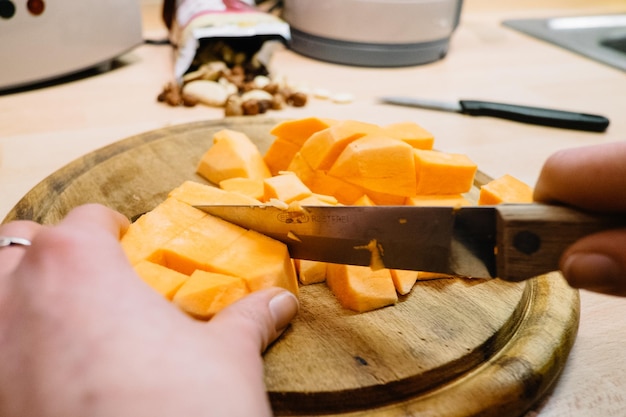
202 263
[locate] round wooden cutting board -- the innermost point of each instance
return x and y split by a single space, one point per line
450 348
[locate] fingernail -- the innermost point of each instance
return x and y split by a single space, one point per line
283 308
592 271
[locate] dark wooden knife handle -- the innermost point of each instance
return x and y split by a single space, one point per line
532 237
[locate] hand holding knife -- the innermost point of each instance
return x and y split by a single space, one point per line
525 114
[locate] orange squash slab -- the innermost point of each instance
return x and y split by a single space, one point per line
385 199
411 133
299 130
286 187
443 173
318 200
195 247
153 229
164 280
506 189
206 293
279 155
344 192
364 200
322 148
359 288
452 200
403 280
302 169
261 261
194 193
428 276
249 187
232 154
377 163
310 272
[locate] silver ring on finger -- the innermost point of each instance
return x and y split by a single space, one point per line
13 241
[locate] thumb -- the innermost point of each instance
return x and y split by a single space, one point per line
256 319
597 263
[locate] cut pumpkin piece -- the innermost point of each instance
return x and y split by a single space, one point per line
322 148
403 280
249 187
195 247
279 155
302 169
299 130
194 193
286 187
260 260
378 163
232 155
443 173
343 191
364 200
156 227
164 280
411 133
427 276
506 189
310 272
206 293
452 200
359 288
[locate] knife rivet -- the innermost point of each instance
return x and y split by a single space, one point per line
526 242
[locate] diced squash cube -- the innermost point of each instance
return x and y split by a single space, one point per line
375 162
427 276
206 293
360 288
233 154
411 133
302 169
322 148
314 200
364 200
249 187
403 280
279 155
261 261
164 280
452 200
195 247
299 130
385 199
343 191
443 173
194 193
286 187
153 229
506 189
310 272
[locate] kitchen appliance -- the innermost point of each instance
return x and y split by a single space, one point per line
377 33
43 40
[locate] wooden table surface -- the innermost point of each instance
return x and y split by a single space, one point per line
43 129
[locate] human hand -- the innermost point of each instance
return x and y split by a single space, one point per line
592 178
82 335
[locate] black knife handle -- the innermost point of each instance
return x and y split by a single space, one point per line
536 115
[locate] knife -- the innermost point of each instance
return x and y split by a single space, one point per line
525 114
510 241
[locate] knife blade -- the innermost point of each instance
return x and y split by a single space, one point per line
513 242
525 114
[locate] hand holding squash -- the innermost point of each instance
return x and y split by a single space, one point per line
81 334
